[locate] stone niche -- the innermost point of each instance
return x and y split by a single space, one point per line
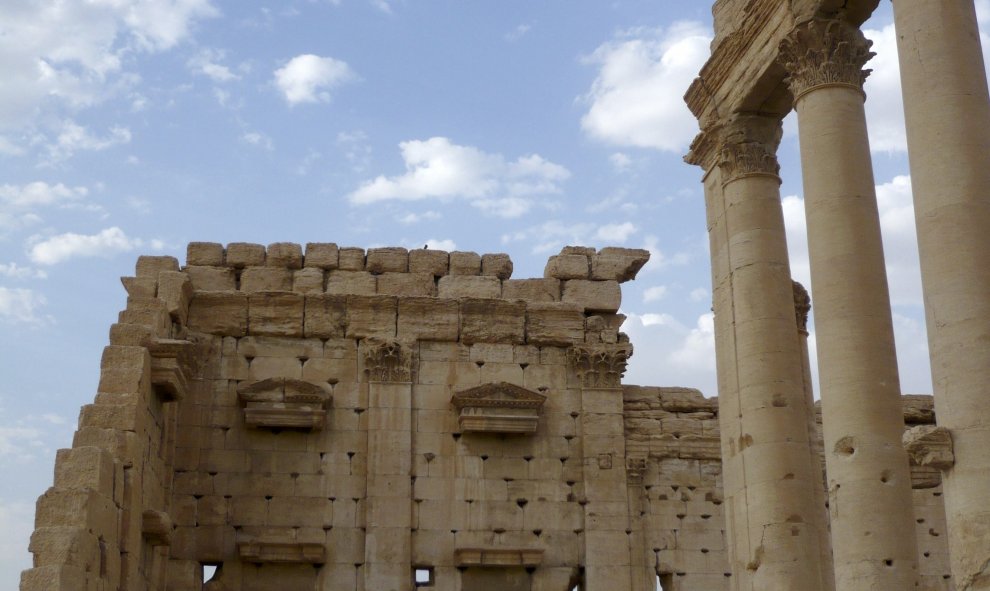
284 403
498 408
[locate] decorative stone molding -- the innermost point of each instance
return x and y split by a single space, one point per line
498 408
749 147
498 557
284 403
635 469
156 527
802 306
600 366
825 53
386 361
282 552
167 367
929 445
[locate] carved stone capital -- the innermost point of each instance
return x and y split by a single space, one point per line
802 306
386 361
928 445
825 53
600 366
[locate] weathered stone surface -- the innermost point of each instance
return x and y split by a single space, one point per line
207 254
406 284
467 286
531 290
435 262
243 254
266 279
308 280
212 278
554 324
175 289
220 313
428 319
618 264
150 266
325 316
275 314
356 282
323 255
350 259
387 260
592 296
492 321
568 266
371 316
929 445
499 265
284 254
464 263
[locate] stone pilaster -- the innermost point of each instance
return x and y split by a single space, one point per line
947 109
860 391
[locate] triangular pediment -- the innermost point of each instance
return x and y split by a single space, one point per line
499 394
283 390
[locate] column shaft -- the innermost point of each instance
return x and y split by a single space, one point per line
870 499
947 109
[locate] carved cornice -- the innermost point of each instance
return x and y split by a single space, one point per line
825 53
600 366
498 408
802 306
499 395
929 445
284 403
386 361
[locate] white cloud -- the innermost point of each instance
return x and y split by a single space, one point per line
620 162
38 194
356 149
446 244
20 305
73 138
15 271
258 139
658 259
671 353
67 246
550 236
652 294
440 169
309 78
415 218
207 63
636 100
616 233
698 294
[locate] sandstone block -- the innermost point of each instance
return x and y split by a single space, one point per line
619 264
266 279
207 254
531 290
308 280
350 259
465 263
427 318
322 255
371 316
498 264
492 321
582 250
70 546
125 370
284 254
151 266
54 577
85 468
351 282
175 289
275 314
593 296
221 312
435 262
387 260
212 278
131 335
140 287
243 254
406 284
467 286
568 266
75 508
325 316
554 324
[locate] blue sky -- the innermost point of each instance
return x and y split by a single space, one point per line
135 126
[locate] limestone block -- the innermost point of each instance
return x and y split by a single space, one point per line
140 287
322 255
151 266
207 254
568 266
125 370
266 279
592 296
308 280
498 265
465 263
371 316
222 313
618 264
54 577
425 318
149 312
175 289
325 316
406 284
212 278
71 546
284 254
275 314
86 468
532 290
350 259
554 324
75 508
929 445
492 321
435 262
385 260
466 286
351 282
243 254
131 335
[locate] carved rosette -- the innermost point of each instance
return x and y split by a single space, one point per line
749 147
802 306
635 469
386 361
600 366
825 53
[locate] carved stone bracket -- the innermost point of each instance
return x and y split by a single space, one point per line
928 445
802 306
825 53
498 557
167 367
386 361
498 408
156 527
600 366
284 403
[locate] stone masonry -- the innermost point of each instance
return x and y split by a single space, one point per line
383 420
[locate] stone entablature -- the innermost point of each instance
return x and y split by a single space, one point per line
284 403
498 408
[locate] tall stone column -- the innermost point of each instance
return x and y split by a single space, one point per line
948 130
873 537
774 526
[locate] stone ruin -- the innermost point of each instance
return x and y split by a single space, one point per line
390 420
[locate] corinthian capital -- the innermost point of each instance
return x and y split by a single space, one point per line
600 366
749 146
825 53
